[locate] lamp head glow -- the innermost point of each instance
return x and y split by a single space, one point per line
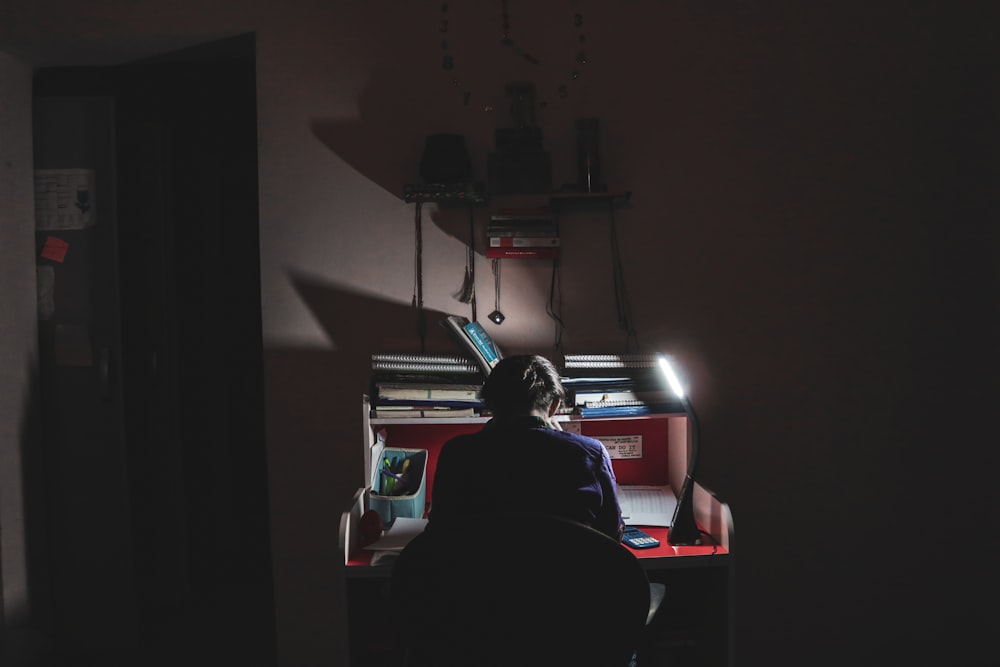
672 380
684 527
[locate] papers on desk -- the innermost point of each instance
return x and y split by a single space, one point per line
399 534
647 505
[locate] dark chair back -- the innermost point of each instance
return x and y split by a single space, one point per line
518 590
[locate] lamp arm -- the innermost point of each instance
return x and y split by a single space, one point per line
683 528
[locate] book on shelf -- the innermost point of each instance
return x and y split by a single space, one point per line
422 413
427 392
656 405
622 410
522 214
419 358
425 379
527 253
521 230
590 397
600 382
522 222
423 363
642 369
605 361
475 339
523 241
381 401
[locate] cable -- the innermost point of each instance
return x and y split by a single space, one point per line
715 544
621 294
552 308
471 259
467 292
418 277
555 291
496 284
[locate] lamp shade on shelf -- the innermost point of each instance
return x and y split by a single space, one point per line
445 159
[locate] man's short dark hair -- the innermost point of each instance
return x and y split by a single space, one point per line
522 383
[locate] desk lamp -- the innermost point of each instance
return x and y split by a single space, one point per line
683 528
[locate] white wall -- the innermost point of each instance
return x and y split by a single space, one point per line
18 336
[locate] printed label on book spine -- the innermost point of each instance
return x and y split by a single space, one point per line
517 253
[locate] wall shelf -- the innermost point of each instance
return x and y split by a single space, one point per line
560 197
475 193
439 193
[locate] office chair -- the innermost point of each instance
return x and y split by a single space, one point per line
518 589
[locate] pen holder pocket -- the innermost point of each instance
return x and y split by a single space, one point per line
402 489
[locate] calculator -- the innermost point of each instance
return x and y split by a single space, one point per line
638 539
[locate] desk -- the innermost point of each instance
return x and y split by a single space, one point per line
695 623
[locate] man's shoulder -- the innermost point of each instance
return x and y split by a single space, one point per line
580 439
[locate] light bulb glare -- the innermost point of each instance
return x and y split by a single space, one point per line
672 379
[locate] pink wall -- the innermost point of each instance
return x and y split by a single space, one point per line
791 238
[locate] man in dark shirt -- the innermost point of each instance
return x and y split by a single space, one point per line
522 461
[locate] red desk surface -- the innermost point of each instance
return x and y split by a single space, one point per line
363 557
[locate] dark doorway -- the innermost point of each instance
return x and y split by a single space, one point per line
189 386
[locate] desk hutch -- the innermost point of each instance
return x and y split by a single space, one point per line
695 624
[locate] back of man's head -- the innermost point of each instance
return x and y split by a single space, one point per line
522 384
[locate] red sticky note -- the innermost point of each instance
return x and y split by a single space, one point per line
55 249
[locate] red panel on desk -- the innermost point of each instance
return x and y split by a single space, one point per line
652 467
428 436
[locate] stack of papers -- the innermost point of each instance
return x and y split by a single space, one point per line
395 538
647 505
398 534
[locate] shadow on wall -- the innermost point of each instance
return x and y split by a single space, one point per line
321 390
384 142
387 327
386 146
314 421
359 145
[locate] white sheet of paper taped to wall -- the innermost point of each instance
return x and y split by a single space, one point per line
64 199
623 446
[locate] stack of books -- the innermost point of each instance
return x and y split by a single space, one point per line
522 232
425 385
616 385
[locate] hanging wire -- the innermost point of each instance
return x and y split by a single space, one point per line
418 277
554 306
471 259
621 294
467 292
496 284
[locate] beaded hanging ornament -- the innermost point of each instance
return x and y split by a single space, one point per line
562 90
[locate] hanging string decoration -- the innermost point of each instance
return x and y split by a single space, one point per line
562 90
467 292
497 317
